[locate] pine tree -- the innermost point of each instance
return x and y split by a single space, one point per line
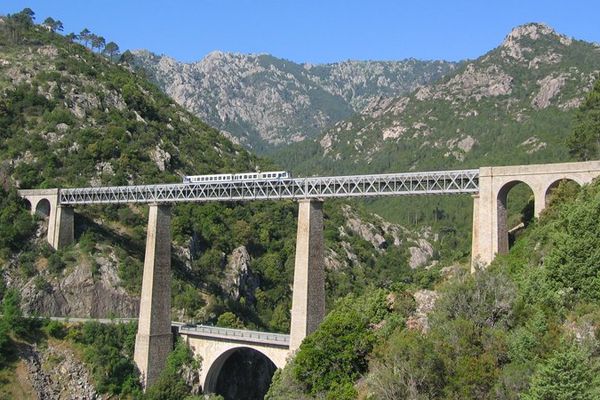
564 376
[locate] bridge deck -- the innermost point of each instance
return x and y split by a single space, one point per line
237 335
416 183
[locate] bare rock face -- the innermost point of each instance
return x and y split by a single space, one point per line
420 254
161 157
55 373
533 144
425 303
239 279
549 87
261 100
365 230
80 294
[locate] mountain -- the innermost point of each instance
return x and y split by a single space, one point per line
262 101
512 105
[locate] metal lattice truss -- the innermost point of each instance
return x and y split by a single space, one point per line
418 183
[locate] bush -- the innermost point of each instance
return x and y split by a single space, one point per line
55 263
56 329
230 320
408 367
170 385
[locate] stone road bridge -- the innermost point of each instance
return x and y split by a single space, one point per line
489 187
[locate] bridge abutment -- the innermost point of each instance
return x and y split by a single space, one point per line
154 340
308 298
490 229
45 202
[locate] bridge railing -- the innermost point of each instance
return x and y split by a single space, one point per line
414 183
237 334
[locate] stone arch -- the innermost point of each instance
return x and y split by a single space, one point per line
554 184
43 208
28 204
502 212
213 383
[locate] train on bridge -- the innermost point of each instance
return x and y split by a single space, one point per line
244 176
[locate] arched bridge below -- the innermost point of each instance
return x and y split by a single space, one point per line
488 186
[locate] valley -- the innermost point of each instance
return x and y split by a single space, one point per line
401 304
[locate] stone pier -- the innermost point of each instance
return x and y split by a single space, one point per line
154 339
308 299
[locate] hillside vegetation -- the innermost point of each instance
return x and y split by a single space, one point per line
527 327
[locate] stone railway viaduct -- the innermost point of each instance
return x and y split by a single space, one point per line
489 187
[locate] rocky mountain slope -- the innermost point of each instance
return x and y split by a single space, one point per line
262 101
512 105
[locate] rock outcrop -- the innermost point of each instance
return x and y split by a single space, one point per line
239 279
55 373
425 303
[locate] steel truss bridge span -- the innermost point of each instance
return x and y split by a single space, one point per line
416 183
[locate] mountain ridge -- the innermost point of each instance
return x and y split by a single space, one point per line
263 101
518 99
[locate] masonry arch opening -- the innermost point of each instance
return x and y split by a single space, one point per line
241 373
42 208
560 188
516 209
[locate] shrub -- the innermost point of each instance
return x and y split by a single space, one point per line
56 329
229 320
55 263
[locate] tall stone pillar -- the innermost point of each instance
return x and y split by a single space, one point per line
475 257
63 232
485 220
308 300
154 340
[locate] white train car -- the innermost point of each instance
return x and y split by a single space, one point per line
245 176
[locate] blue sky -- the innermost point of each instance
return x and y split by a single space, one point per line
315 31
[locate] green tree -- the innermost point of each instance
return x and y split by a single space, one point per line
71 37
564 376
26 16
12 315
111 50
18 23
52 25
85 36
230 320
584 140
97 42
